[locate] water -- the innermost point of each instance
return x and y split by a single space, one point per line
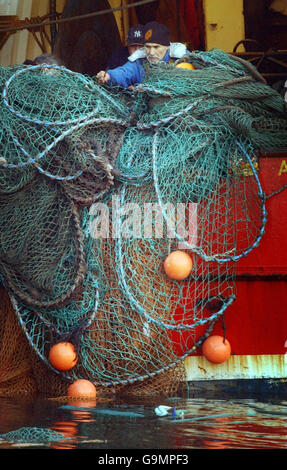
189 424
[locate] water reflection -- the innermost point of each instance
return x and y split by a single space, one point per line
201 424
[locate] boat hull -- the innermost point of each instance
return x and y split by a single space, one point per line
256 322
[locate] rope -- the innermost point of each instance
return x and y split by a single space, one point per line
268 196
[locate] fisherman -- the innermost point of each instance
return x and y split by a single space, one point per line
135 41
157 48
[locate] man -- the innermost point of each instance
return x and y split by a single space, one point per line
135 41
157 47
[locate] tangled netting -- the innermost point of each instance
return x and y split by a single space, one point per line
32 435
98 185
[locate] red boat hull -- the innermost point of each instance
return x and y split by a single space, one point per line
256 322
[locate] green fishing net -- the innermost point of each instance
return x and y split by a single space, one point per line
32 434
98 185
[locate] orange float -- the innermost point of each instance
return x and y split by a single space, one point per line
178 265
84 403
185 65
63 356
216 349
82 388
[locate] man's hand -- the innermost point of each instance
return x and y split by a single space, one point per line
102 77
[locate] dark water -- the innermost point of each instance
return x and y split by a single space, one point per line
190 424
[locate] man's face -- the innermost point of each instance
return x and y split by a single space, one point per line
155 52
133 48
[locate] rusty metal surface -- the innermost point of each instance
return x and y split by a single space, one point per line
267 366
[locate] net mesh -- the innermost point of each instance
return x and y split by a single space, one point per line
98 185
32 435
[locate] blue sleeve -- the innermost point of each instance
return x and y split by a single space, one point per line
128 74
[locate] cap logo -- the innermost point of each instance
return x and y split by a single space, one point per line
148 34
137 34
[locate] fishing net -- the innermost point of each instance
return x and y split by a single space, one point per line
16 370
98 185
33 435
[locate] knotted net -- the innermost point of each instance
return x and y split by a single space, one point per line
98 185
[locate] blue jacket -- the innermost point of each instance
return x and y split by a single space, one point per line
132 72
128 74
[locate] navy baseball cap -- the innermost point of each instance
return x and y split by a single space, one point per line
136 35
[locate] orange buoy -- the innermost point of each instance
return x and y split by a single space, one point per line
216 349
82 388
185 65
178 265
82 402
63 356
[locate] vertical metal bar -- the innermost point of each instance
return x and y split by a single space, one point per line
53 28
